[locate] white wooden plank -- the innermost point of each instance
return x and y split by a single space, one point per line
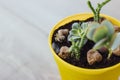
24 49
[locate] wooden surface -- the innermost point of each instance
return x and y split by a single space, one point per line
24 29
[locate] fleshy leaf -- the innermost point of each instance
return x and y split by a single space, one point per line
110 27
84 26
77 36
77 31
91 28
100 33
70 38
100 43
116 42
75 25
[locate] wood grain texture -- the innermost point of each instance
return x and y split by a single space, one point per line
24 29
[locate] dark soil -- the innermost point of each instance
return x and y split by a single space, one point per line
82 62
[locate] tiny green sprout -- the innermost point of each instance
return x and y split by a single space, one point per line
96 11
78 38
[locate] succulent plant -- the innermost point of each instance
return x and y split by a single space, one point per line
114 45
104 35
117 29
77 36
100 32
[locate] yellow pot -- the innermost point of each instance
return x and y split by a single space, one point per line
71 72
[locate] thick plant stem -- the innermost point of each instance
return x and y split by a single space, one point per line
96 11
99 9
83 39
93 10
110 53
91 7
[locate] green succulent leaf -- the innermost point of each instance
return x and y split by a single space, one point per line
96 11
75 25
84 26
75 33
116 42
91 29
110 27
100 43
77 36
100 33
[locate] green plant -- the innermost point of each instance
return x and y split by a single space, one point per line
96 11
78 38
104 35
101 33
114 44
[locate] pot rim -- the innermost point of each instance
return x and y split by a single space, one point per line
76 67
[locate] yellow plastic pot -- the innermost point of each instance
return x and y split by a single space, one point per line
71 72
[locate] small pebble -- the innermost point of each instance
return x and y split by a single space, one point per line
61 35
93 56
64 52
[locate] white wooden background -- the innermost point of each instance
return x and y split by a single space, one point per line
24 29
